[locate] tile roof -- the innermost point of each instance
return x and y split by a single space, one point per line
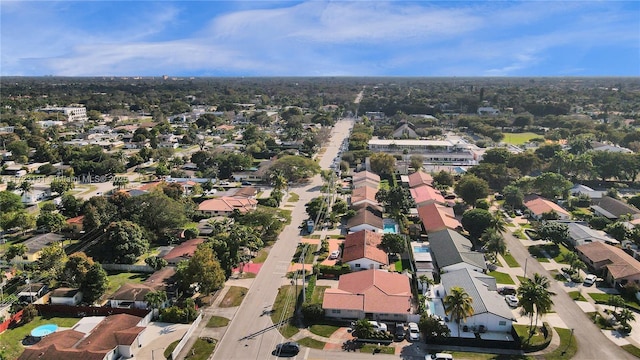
424 194
183 251
364 244
75 220
420 178
364 216
365 175
449 248
372 291
228 204
619 263
436 217
539 205
377 210
363 194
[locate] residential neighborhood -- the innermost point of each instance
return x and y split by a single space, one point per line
222 224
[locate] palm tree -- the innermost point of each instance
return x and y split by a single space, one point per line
425 280
155 299
25 187
279 181
616 301
459 305
498 223
625 316
535 298
494 243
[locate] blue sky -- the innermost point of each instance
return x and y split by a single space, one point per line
320 38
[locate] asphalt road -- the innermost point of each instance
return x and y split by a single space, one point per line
250 335
592 343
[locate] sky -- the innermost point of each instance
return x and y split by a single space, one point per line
319 38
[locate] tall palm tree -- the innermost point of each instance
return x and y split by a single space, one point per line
425 280
459 305
494 243
535 298
25 187
498 223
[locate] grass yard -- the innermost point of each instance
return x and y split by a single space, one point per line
370 348
568 346
521 278
323 330
519 138
233 297
118 279
293 197
561 254
536 252
262 256
312 343
631 350
502 278
536 340
284 308
10 340
402 264
217 321
170 348
201 350
520 235
318 294
511 261
576 295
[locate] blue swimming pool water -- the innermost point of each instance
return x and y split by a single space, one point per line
420 249
44 330
389 228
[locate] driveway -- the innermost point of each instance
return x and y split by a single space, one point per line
156 337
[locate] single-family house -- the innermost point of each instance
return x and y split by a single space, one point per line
35 244
371 294
75 224
420 178
32 292
365 220
612 208
131 296
612 263
365 175
377 210
425 195
65 296
436 217
580 189
114 337
184 251
361 251
452 251
423 262
365 182
490 311
539 207
580 234
226 205
364 194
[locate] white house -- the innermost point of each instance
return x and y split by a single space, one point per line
65 296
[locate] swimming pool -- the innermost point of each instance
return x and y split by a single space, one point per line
389 229
421 249
44 330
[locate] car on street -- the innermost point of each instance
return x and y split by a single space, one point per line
590 280
379 327
438 356
400 332
511 300
288 348
414 331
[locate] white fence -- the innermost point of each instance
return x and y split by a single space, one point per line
185 338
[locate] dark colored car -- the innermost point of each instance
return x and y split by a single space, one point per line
246 183
288 348
507 290
400 332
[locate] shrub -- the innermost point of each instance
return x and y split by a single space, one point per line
312 312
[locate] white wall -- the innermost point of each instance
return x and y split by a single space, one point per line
365 264
345 314
490 321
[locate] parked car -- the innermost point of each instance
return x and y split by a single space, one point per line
334 255
288 348
590 280
438 356
400 332
511 300
379 327
246 183
414 331
507 290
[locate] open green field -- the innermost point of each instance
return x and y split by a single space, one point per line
10 340
519 138
117 280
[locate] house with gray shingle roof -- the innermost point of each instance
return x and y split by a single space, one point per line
580 234
452 251
612 208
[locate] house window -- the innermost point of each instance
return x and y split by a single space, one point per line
502 323
357 265
334 311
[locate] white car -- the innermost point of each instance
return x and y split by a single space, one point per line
379 327
511 300
414 331
334 255
439 356
590 280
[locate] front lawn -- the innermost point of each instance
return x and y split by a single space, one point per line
261 257
537 340
561 254
312 343
318 294
217 321
576 295
233 297
370 349
631 349
568 346
293 197
10 340
323 330
502 278
201 350
511 261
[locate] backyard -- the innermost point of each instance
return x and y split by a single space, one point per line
10 340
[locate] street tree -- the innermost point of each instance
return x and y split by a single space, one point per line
535 298
316 206
553 231
61 186
494 243
202 269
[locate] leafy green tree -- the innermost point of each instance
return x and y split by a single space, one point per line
363 329
458 304
382 163
552 185
315 206
156 262
124 242
513 196
24 221
433 328
443 178
397 201
525 162
476 221
416 161
25 187
494 243
95 284
618 230
625 316
634 200
616 301
471 188
29 313
75 269
10 202
50 221
15 250
393 243
203 269
496 156
553 231
70 205
295 168
61 186
51 261
156 299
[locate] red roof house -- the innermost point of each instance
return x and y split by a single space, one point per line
436 217
361 251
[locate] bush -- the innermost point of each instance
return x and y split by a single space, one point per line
335 270
312 312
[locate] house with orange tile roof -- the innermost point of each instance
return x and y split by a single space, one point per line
365 220
539 206
372 294
612 263
365 175
365 182
361 251
425 195
436 217
184 251
364 194
420 178
224 206
75 223
115 337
